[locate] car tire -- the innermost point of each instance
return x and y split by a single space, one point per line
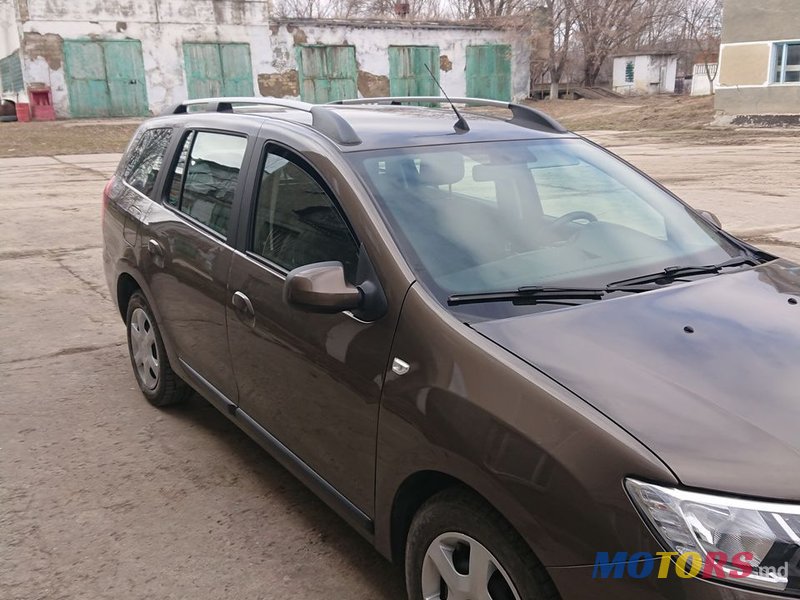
158 382
456 529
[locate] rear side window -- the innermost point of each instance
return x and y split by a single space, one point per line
146 158
204 181
296 222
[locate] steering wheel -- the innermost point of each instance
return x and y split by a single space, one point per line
575 215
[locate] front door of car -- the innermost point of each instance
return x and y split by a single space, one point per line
187 256
313 381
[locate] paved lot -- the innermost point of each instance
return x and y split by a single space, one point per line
102 496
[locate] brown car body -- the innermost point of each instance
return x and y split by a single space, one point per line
542 415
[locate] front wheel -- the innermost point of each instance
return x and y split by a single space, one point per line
459 548
158 382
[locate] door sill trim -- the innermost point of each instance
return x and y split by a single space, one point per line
293 463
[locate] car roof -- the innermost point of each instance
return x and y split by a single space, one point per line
361 126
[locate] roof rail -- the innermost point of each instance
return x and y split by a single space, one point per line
226 104
327 122
521 115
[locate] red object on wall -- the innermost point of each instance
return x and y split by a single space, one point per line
23 112
41 99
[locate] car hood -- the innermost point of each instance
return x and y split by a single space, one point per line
720 406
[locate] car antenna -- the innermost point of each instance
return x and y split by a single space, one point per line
461 125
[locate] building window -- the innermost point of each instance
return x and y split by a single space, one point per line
787 62
629 71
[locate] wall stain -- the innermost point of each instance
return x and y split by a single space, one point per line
298 34
24 12
281 57
236 16
445 64
371 85
279 84
48 46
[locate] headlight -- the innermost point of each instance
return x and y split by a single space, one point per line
747 542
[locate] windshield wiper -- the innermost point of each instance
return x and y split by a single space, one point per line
670 274
530 295
534 294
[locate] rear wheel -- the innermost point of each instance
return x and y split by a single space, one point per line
158 382
459 548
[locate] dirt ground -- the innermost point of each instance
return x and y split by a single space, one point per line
102 496
663 118
630 114
78 136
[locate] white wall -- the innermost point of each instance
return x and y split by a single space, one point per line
652 74
161 25
701 84
372 47
9 35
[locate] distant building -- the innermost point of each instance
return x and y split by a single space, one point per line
645 74
133 57
760 58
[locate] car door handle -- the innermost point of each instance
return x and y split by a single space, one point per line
154 248
242 303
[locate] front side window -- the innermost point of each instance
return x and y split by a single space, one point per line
145 159
787 62
296 221
205 177
481 217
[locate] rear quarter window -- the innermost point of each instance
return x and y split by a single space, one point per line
145 159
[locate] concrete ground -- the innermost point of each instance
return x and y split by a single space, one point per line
102 496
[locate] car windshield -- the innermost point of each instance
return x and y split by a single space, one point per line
478 217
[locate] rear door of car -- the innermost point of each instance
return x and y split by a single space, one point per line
187 239
312 381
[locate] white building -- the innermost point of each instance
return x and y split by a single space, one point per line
133 57
645 74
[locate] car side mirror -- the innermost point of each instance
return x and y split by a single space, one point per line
710 217
321 288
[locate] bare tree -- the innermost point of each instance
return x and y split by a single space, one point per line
702 20
354 9
606 26
482 9
416 9
558 24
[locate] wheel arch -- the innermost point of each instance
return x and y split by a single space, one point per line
127 285
417 489
412 493
422 485
129 281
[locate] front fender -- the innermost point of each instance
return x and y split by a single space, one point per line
551 464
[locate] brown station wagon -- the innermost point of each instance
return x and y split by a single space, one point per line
510 360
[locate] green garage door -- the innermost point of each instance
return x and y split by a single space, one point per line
105 78
407 73
214 70
489 71
327 73
11 73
